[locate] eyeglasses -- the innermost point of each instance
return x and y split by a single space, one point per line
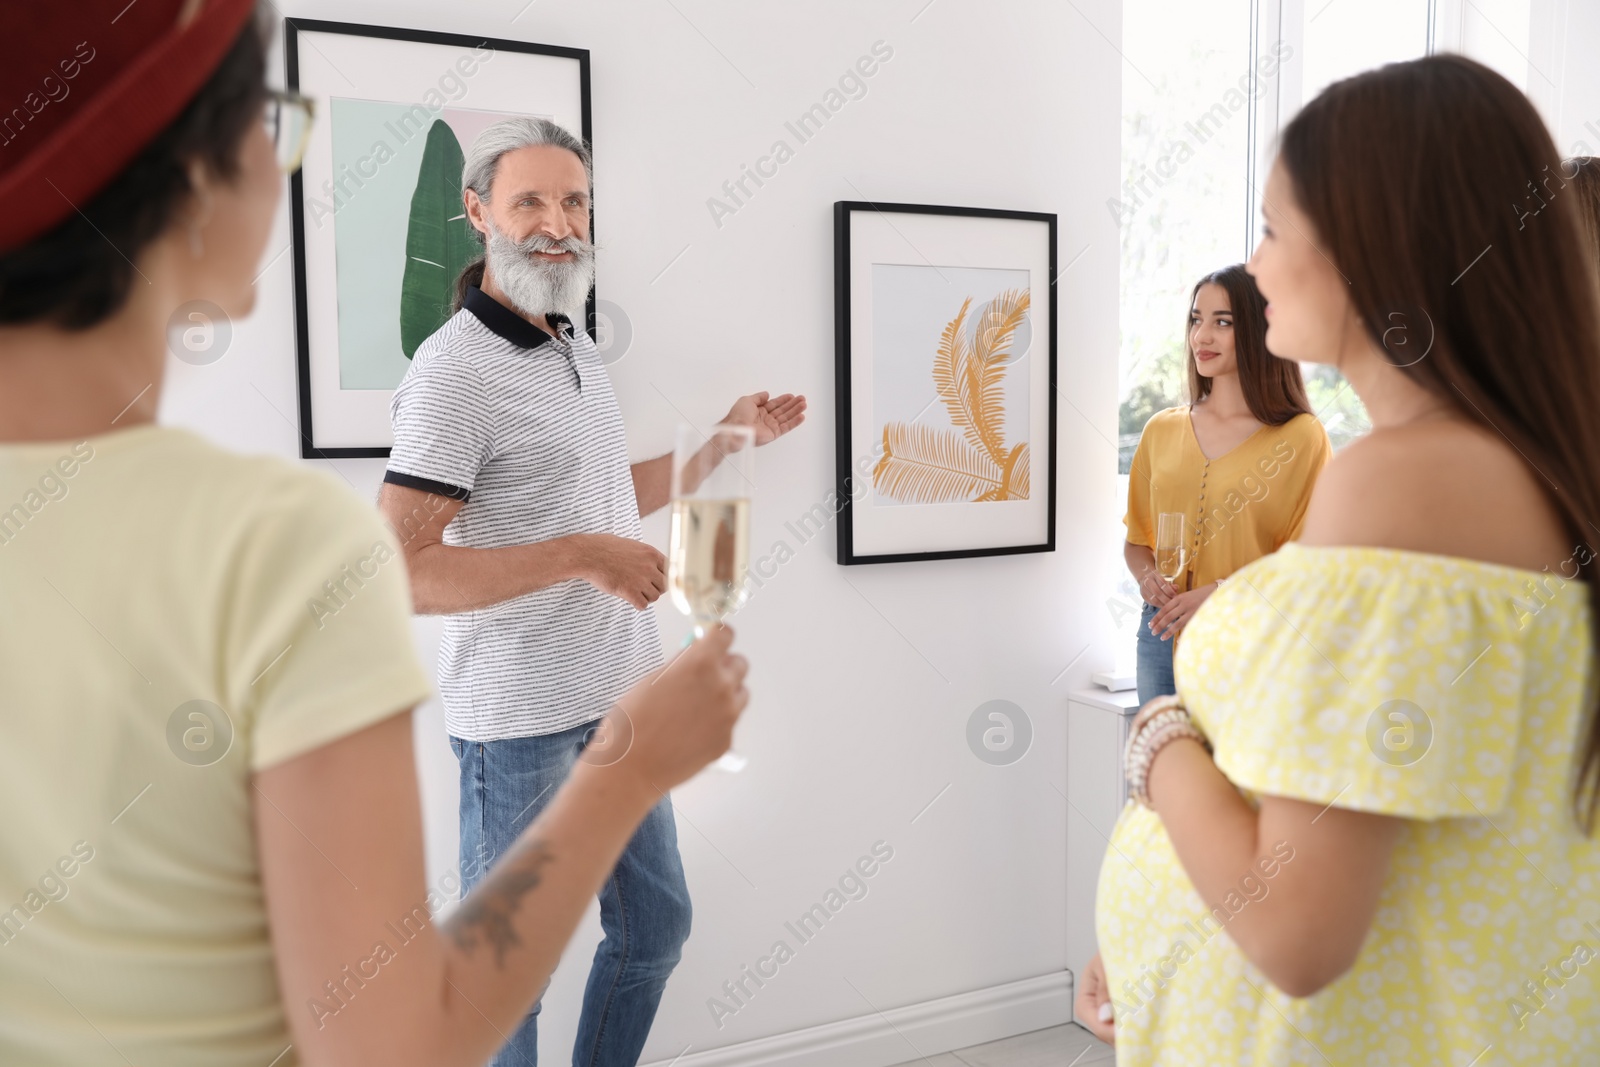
288 117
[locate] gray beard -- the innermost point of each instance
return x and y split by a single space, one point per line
539 287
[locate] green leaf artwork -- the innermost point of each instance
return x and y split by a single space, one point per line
439 240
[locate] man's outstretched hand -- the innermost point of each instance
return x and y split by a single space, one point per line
770 416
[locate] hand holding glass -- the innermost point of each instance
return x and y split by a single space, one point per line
708 553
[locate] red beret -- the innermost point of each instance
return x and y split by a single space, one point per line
85 85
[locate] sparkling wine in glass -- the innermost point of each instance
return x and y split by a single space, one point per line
1170 556
708 551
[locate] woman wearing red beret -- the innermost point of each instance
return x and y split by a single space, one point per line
212 851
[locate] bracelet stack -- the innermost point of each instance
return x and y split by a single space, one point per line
1166 721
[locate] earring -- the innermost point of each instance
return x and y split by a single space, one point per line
197 247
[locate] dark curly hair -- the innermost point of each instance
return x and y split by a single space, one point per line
79 273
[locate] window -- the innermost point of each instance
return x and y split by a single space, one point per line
1185 197
1345 37
1204 91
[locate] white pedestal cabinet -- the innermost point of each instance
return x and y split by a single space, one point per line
1097 731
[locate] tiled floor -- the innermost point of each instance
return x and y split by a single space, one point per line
1060 1046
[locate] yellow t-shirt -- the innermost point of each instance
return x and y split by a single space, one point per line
173 617
1445 691
1237 507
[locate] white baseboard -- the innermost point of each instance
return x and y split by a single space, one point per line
907 1033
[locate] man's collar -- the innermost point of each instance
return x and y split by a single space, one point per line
508 324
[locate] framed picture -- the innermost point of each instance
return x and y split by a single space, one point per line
945 334
379 230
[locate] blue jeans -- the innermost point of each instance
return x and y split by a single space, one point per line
1154 662
644 904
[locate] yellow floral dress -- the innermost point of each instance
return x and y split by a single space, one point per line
1446 691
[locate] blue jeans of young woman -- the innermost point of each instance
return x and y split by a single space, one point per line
1153 666
644 904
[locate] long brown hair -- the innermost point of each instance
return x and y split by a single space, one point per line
1435 189
1584 174
1273 388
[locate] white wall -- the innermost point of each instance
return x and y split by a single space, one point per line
1545 47
861 695
1569 32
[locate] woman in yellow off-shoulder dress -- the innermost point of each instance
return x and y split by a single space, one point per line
1364 830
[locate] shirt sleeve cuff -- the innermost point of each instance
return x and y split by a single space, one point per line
427 485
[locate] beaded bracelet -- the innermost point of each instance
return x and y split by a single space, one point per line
1160 709
1141 746
1156 705
1167 723
1144 757
1135 760
1139 742
1138 783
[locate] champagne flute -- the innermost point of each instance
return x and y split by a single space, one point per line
1170 556
708 552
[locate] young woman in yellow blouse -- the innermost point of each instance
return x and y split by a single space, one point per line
1364 829
1237 463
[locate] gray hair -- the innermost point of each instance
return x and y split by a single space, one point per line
508 135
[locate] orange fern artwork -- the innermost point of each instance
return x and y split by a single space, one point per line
972 462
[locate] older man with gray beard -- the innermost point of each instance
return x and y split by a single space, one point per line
510 486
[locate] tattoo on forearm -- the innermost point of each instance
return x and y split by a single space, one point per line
487 913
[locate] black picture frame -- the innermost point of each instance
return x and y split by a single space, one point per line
843 210
293 28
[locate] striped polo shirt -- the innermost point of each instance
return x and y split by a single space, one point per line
524 427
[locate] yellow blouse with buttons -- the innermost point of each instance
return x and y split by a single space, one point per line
1237 507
